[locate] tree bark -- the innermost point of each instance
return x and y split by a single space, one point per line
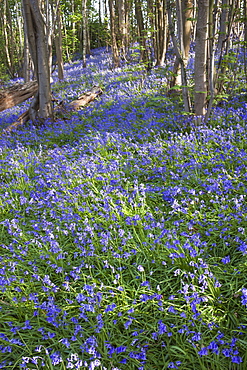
58 45
84 32
211 55
201 58
223 25
115 53
161 32
141 30
123 33
80 102
39 52
17 94
185 92
184 14
8 39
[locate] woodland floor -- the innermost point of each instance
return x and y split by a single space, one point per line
123 230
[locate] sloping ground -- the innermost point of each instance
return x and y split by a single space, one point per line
123 233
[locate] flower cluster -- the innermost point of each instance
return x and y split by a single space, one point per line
123 233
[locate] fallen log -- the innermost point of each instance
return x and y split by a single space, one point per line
17 94
80 102
61 108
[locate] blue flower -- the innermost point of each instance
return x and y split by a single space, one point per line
203 352
226 260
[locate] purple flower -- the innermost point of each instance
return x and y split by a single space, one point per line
236 359
203 352
162 328
127 323
226 260
66 342
110 307
56 358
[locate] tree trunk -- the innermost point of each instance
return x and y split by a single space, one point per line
84 32
184 14
38 49
211 54
221 68
49 33
187 14
185 92
115 53
123 33
8 46
201 58
27 62
161 32
223 25
245 39
58 44
80 102
141 30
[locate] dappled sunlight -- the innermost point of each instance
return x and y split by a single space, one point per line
123 230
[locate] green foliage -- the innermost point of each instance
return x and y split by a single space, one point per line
99 33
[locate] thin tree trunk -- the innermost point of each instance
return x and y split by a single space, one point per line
141 30
58 44
211 55
201 58
185 91
115 53
161 32
41 108
66 39
123 28
184 14
7 42
245 39
187 13
27 62
84 32
221 69
223 25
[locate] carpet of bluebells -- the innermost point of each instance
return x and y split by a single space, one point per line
123 230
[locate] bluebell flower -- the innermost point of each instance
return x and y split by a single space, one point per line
226 259
162 328
203 352
236 359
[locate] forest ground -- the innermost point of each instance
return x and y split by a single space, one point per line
123 230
